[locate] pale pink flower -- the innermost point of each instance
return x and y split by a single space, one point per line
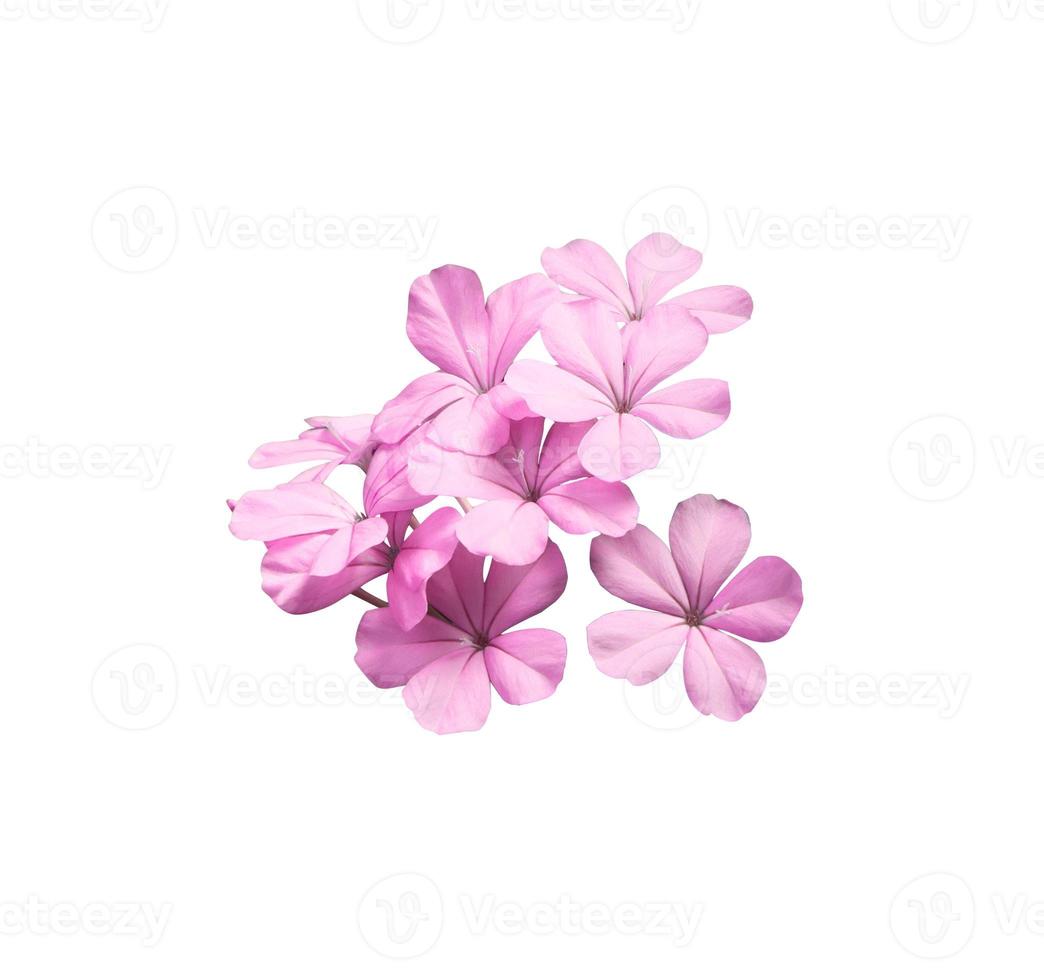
297 574
473 342
449 660
709 537
611 375
655 266
525 484
334 440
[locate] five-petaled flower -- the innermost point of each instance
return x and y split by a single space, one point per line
709 537
611 375
657 264
526 484
449 660
473 342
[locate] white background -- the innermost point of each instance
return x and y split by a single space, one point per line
823 154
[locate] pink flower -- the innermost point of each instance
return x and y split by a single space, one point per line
335 440
655 266
413 559
473 342
723 676
289 578
449 660
526 485
313 509
297 572
610 374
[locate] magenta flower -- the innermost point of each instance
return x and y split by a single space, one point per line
526 485
611 375
473 342
655 266
335 441
450 659
723 676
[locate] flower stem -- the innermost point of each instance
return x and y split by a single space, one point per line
465 504
371 599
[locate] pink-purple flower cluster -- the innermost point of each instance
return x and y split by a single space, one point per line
523 445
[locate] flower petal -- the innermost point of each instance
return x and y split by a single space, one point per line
515 593
588 269
389 655
709 538
584 339
290 510
387 488
288 578
661 344
428 549
559 462
442 471
353 432
657 264
346 544
760 603
450 694
512 531
315 444
619 446
639 569
718 308
591 505
472 425
556 394
447 322
688 409
514 314
458 591
723 677
635 644
418 402
508 402
526 665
